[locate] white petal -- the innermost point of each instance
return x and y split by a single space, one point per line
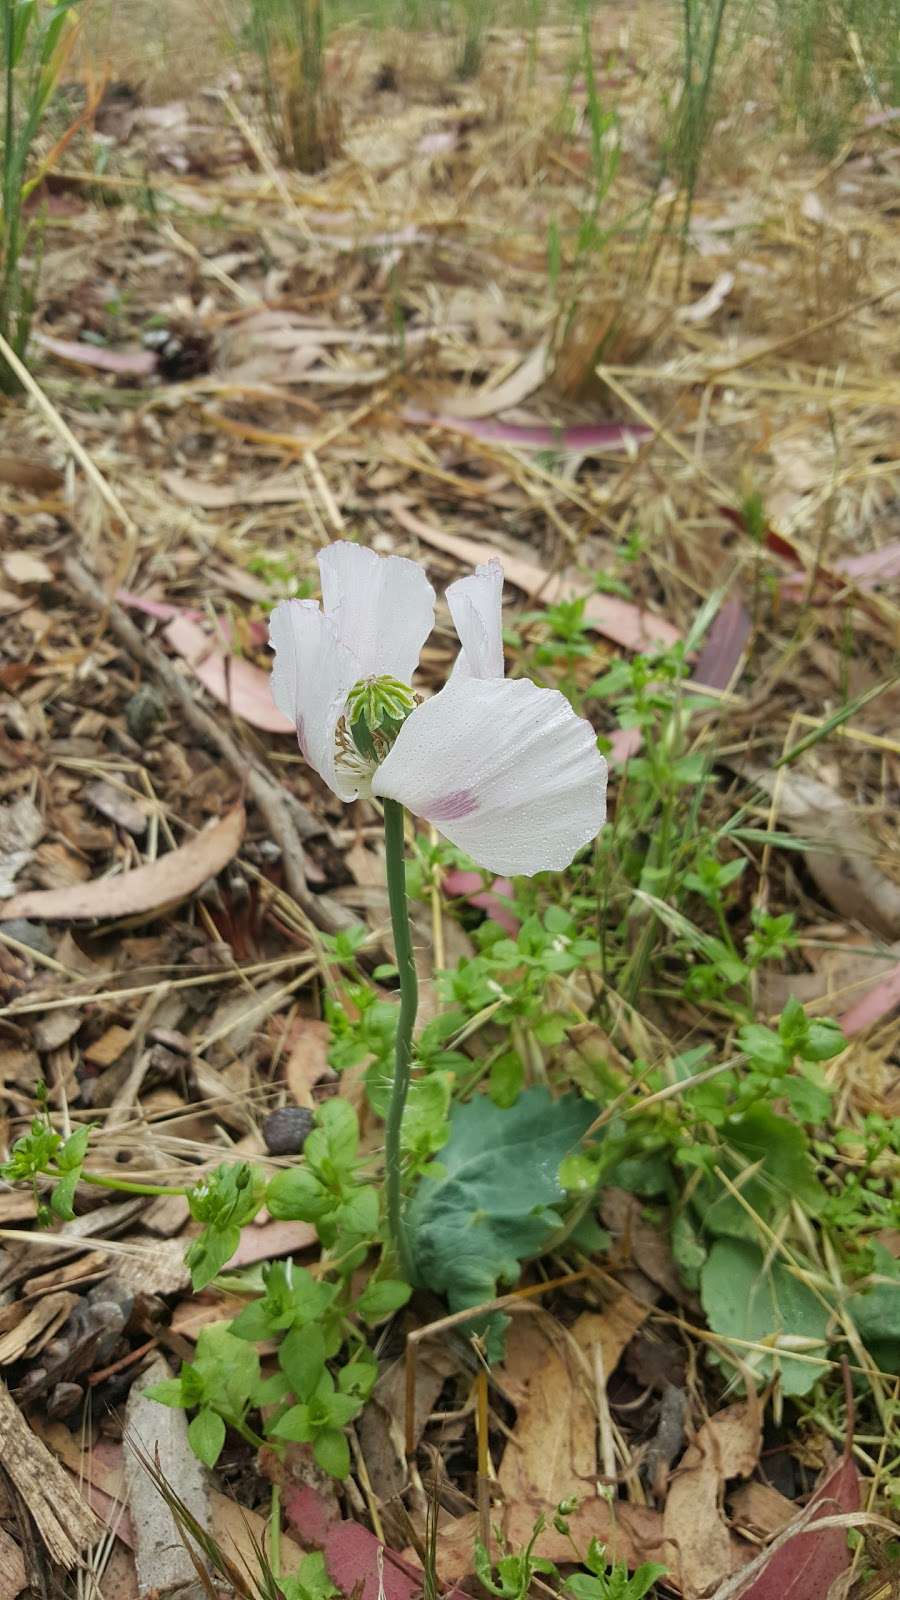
311 678
381 606
506 770
475 606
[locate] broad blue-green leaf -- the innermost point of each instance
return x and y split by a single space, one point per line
748 1300
876 1311
499 1197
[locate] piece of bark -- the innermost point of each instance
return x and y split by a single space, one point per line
73 1238
39 1324
65 1522
164 1565
13 1577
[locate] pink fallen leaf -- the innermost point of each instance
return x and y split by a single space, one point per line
724 646
867 571
351 1551
272 1239
624 743
617 619
470 885
232 680
805 1567
879 1001
163 882
124 363
584 438
161 609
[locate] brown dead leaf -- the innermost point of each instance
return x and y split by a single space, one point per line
307 1061
221 496
552 1454
20 567
845 865
24 474
697 1534
841 980
58 867
108 1048
381 1427
118 806
160 883
761 1510
617 619
639 1241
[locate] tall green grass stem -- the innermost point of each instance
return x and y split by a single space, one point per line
409 1002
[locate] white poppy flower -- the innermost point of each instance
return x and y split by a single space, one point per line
503 768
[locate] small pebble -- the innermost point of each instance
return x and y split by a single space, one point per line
35 934
142 712
285 1131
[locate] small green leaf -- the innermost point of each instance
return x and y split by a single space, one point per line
342 1408
302 1357
381 1299
332 1452
296 1195
209 1253
295 1425
168 1392
823 1040
63 1195
764 1047
70 1156
506 1079
360 1213
206 1435
578 1174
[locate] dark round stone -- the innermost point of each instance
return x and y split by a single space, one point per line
285 1131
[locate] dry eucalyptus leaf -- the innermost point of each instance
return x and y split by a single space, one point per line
163 882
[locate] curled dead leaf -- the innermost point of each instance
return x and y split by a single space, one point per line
697 1534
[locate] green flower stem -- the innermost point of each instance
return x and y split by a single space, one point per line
409 1001
123 1184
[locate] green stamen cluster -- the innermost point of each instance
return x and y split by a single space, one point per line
376 709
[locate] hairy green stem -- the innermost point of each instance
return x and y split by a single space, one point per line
409 1000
